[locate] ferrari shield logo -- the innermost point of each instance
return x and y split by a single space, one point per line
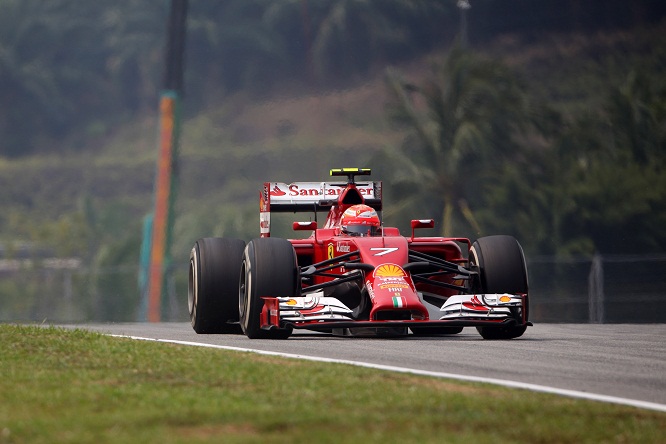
331 250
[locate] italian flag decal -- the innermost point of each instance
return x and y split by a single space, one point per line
397 302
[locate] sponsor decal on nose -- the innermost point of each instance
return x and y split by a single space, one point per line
389 270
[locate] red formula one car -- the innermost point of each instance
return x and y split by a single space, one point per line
354 276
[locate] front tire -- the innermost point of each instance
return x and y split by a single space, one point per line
502 269
269 268
213 285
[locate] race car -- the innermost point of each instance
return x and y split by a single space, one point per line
354 276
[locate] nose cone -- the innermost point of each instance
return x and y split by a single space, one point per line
393 295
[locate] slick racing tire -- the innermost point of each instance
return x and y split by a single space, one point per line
269 268
212 293
502 269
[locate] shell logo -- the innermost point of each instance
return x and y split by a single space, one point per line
389 270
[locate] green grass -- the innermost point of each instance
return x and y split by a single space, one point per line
75 386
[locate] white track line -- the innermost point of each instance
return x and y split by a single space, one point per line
500 382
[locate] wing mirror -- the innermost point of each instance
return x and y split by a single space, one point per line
422 223
304 226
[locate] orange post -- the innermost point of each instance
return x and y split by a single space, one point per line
163 186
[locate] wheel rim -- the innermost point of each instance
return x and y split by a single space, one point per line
474 263
243 296
192 289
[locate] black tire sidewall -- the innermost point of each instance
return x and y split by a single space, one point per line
501 264
214 271
502 269
269 268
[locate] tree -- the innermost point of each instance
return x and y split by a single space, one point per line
340 39
28 87
461 125
229 49
66 64
132 33
596 183
636 114
622 195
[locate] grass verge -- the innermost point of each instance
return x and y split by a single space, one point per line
77 386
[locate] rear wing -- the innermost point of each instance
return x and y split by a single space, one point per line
310 197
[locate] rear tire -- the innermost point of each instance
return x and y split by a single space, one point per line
269 268
213 285
502 269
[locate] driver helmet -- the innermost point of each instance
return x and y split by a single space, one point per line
360 220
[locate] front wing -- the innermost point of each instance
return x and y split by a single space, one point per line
317 312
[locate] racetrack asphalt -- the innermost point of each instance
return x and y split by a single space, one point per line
626 361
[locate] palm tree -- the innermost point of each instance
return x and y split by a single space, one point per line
461 124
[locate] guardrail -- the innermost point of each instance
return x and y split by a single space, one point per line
601 289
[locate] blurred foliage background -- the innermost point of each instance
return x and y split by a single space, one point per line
544 120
